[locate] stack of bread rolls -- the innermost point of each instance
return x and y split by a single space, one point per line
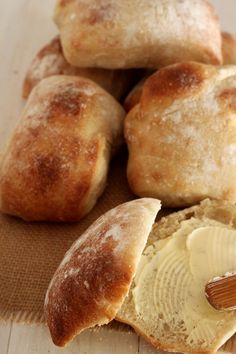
159 76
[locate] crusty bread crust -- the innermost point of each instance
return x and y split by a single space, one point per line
229 48
51 61
110 34
220 211
93 279
55 165
184 109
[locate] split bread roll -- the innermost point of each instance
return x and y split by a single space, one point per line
166 302
153 280
229 48
93 279
55 164
138 33
182 138
51 61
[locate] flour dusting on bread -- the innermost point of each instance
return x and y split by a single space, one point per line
93 279
56 164
184 110
111 34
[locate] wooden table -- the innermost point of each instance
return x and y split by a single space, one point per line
25 25
26 339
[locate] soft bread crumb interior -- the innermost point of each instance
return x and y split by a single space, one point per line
167 303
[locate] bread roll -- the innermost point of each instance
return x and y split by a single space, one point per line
166 324
138 33
51 61
229 48
93 279
55 165
182 135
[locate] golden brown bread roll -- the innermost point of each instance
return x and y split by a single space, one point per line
51 61
229 48
94 277
182 137
55 165
146 33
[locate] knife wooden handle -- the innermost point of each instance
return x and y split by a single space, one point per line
221 292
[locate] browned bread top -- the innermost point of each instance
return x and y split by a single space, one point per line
93 279
55 165
171 135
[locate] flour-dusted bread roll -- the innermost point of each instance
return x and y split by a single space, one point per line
166 302
93 279
51 61
229 48
182 135
138 33
55 165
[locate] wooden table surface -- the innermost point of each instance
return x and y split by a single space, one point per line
25 25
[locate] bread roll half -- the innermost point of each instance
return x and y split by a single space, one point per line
55 164
138 33
93 279
51 61
163 305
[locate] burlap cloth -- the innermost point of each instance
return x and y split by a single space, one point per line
31 252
